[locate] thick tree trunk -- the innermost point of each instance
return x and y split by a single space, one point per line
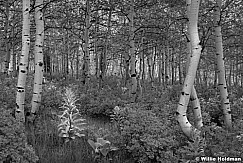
225 104
23 65
186 126
39 64
193 96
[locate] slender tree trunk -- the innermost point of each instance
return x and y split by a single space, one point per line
143 60
215 73
77 64
14 55
85 71
127 65
163 67
241 74
7 47
67 55
153 63
236 68
149 61
179 64
230 73
172 68
140 75
23 65
225 104
103 58
186 126
132 54
97 70
166 65
160 67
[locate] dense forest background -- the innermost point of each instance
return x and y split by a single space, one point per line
121 80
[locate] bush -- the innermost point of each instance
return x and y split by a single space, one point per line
147 137
99 103
221 142
13 142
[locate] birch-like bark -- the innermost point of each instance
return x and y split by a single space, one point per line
166 55
127 58
193 97
85 70
39 64
132 53
23 65
225 104
186 126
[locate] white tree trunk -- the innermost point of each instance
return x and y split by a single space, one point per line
193 97
23 65
225 104
186 126
132 54
39 64
85 73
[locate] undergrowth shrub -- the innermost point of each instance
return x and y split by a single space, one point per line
221 142
147 137
99 103
51 96
13 142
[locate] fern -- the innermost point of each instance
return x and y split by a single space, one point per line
71 123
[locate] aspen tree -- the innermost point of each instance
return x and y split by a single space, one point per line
85 73
127 62
132 53
166 64
104 57
97 70
7 48
186 126
39 64
193 97
225 104
23 65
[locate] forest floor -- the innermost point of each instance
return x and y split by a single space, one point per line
149 134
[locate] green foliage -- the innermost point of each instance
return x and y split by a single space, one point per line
194 148
101 147
13 142
221 142
237 109
147 137
71 123
99 103
51 96
173 92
